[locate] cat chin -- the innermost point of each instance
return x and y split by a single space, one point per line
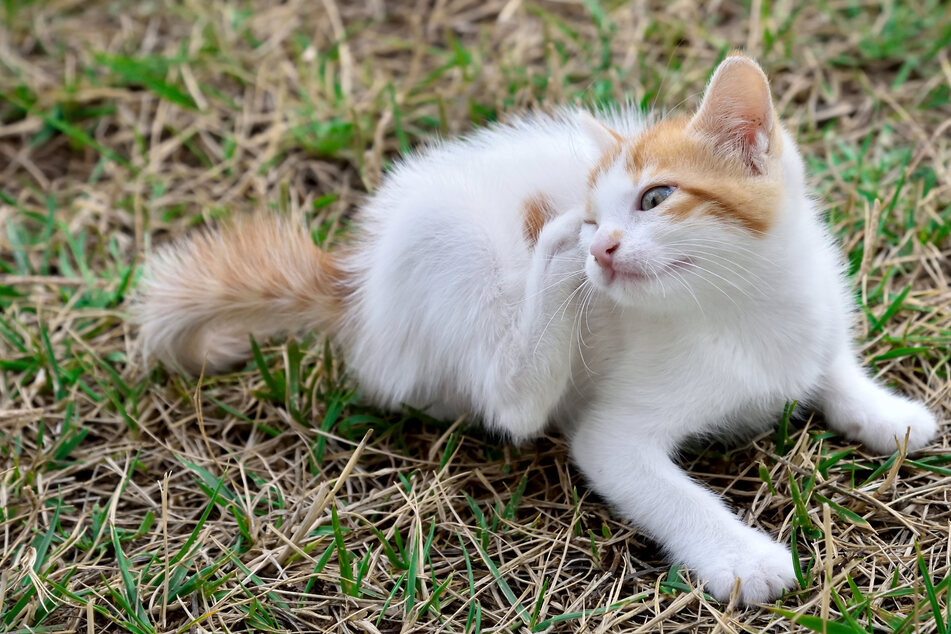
651 299
659 293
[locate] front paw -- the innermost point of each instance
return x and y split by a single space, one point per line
880 421
561 235
763 567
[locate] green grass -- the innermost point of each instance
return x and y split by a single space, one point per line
136 500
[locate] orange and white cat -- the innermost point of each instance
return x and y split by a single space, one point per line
636 283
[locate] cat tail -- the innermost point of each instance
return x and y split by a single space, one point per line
201 299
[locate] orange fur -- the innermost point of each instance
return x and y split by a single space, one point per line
608 159
722 161
589 216
706 180
262 275
617 137
536 211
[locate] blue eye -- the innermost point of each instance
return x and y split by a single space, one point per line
655 196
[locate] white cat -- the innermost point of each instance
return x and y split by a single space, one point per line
636 283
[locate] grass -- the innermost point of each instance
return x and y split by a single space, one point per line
269 499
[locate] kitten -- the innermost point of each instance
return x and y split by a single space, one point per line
636 283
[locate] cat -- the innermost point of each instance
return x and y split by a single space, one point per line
637 282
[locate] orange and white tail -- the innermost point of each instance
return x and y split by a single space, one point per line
263 276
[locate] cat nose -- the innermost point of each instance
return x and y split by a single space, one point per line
603 249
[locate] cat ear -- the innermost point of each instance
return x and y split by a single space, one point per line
737 112
604 138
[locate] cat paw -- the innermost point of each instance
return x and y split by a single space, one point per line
561 235
763 567
879 422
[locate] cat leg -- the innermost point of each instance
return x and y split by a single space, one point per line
633 471
861 409
530 365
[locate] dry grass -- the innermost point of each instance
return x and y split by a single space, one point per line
135 500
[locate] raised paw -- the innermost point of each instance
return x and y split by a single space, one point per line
763 567
561 235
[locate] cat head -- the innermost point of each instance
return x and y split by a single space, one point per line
683 209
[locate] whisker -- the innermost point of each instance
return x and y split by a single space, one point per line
588 305
683 282
697 268
727 265
581 343
732 247
552 285
564 304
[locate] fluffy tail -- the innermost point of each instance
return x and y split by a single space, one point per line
202 298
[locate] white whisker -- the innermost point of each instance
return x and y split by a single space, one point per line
564 305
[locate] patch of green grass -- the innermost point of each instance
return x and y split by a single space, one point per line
193 113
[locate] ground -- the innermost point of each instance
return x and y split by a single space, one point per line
268 499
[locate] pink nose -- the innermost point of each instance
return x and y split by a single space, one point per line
603 249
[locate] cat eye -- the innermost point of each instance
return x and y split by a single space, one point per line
655 196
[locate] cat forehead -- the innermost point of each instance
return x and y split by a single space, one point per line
616 190
708 184
665 146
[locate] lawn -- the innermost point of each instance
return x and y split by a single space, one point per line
269 499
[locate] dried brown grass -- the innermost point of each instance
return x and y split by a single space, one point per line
263 75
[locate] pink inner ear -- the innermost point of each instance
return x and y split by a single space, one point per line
737 111
604 137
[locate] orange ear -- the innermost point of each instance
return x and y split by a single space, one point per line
737 112
604 137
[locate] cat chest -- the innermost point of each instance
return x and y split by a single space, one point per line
712 373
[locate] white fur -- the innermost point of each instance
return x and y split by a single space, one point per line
456 311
